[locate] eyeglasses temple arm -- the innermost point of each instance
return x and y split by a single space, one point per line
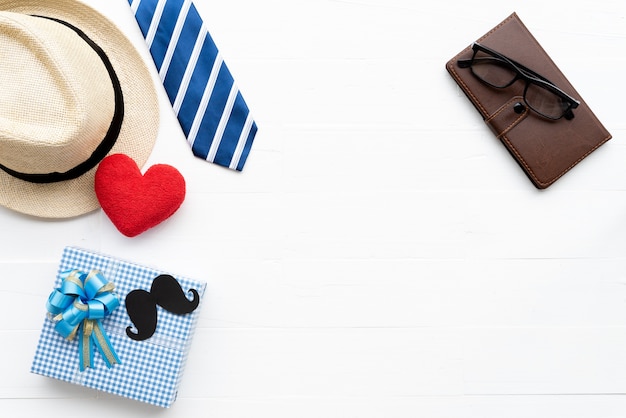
464 63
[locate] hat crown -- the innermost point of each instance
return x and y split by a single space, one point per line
56 96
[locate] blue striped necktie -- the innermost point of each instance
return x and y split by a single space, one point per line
204 96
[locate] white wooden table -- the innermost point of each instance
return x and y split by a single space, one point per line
381 255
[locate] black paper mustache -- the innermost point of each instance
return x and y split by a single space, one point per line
165 292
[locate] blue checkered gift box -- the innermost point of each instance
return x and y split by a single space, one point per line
149 370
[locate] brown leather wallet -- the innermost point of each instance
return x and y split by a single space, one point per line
546 149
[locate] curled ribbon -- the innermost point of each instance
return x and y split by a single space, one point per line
78 307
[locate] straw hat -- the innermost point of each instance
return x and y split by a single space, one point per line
72 90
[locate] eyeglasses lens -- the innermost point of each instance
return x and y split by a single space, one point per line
545 102
492 70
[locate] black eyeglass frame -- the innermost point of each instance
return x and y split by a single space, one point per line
526 74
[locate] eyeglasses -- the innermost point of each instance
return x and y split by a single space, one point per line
540 94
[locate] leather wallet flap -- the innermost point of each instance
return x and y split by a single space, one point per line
507 116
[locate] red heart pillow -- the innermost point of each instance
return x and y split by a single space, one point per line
136 202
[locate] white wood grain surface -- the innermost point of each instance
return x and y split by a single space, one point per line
381 255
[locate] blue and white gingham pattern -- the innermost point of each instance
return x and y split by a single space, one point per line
151 370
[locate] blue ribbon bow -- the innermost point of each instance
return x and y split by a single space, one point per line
78 307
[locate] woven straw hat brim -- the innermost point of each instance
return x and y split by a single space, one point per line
141 114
